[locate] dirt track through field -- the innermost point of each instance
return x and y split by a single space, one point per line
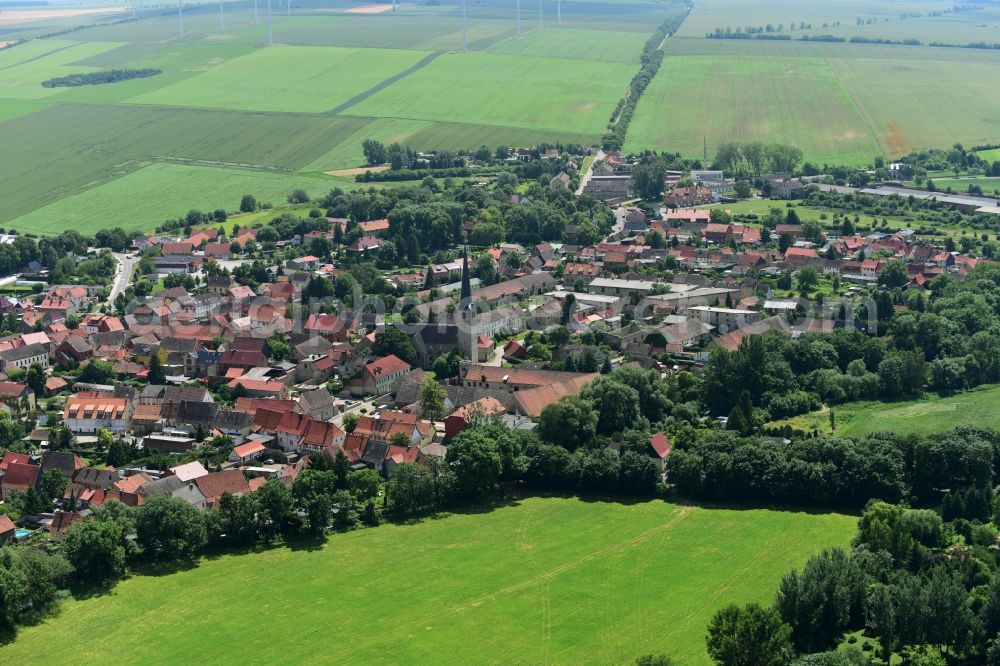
340 108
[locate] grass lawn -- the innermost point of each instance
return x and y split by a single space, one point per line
929 414
549 580
511 91
145 198
310 79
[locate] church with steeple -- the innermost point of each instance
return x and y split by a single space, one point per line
465 313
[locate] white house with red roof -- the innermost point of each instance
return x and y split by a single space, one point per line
381 376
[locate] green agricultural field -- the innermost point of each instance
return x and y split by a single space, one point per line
512 91
929 414
710 14
549 580
797 101
22 79
575 44
840 103
62 150
303 79
905 119
145 198
990 155
989 185
433 136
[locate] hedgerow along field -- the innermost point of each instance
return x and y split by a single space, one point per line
547 580
226 100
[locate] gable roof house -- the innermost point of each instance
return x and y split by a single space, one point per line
22 357
381 376
382 427
18 477
213 485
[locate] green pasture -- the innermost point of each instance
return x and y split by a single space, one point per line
929 414
145 198
542 581
302 79
512 91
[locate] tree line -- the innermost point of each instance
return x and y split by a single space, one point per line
98 78
651 59
96 551
951 471
919 588
946 342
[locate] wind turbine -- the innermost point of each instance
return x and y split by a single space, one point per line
541 24
270 31
288 7
518 18
393 6
222 17
558 11
465 30
255 19
180 18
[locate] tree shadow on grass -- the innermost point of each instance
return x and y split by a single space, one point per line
308 543
156 568
7 635
478 508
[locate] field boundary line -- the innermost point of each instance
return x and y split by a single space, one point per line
854 103
382 85
40 56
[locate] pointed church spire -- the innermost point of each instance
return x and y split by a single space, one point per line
466 297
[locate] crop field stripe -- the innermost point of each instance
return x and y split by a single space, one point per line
865 118
39 56
385 84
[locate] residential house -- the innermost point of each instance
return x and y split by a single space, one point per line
86 413
380 376
465 415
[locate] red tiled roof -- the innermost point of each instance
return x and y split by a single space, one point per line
213 485
533 401
354 446
13 457
20 476
248 449
387 365
660 444
251 405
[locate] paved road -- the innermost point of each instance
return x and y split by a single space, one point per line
123 275
590 170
